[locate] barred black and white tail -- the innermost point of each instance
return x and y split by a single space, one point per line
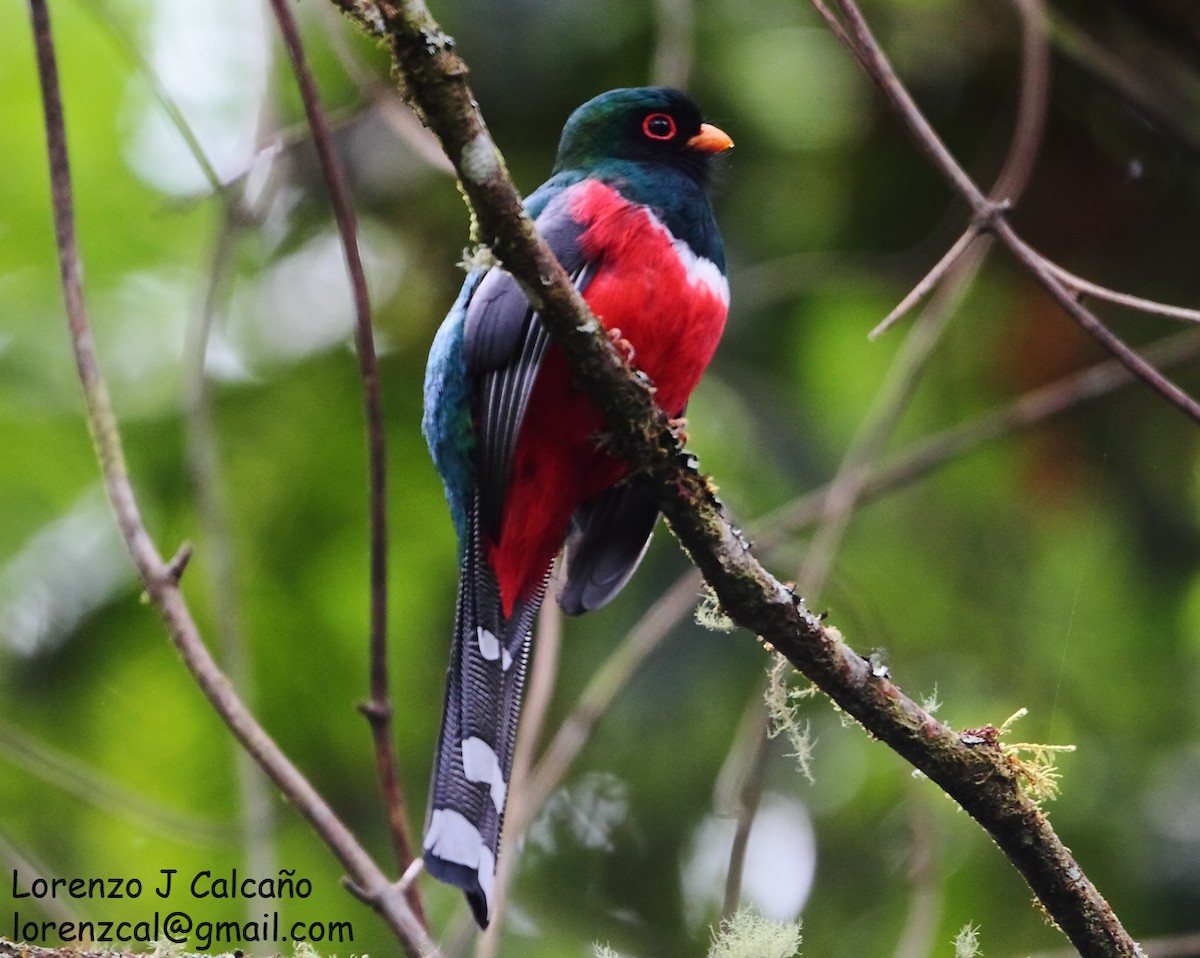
488 660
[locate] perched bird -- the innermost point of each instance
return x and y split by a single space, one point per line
519 447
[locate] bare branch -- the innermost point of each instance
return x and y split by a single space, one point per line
1027 138
836 28
255 804
1031 105
927 284
107 19
1040 269
1088 288
749 800
161 586
958 268
925 907
88 785
1026 411
869 54
643 639
379 709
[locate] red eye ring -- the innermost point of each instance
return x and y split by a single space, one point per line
659 126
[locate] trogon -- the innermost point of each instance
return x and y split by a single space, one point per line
520 447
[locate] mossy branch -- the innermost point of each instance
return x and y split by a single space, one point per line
976 776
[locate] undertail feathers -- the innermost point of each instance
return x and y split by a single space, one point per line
488 661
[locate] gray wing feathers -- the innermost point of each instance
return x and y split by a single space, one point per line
505 397
610 535
504 345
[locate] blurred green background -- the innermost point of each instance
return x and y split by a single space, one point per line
1053 569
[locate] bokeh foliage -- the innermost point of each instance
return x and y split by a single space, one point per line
1054 569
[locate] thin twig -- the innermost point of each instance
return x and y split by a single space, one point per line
1026 141
91 787
866 50
925 906
105 16
542 678
643 639
749 800
962 264
880 421
990 212
1088 288
379 709
835 26
927 284
1032 104
1026 411
57 908
1038 267
161 587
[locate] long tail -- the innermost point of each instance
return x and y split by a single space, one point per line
488 659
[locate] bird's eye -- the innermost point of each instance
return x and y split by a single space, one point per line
659 126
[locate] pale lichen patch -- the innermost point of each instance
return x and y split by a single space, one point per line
479 160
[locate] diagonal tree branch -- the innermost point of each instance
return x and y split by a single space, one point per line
772 530
975 775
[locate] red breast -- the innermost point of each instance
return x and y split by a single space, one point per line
670 306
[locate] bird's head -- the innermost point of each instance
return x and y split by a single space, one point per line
654 126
